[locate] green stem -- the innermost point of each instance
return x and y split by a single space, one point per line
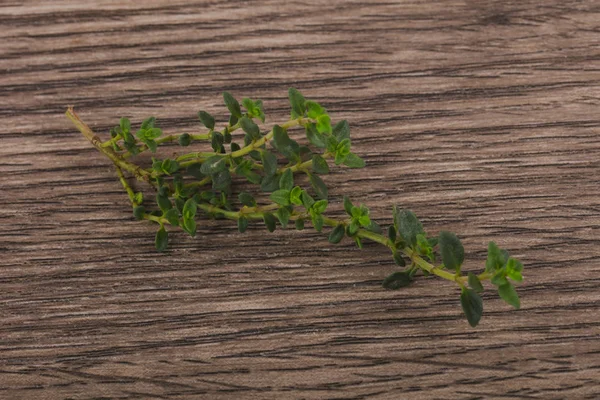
125 184
139 173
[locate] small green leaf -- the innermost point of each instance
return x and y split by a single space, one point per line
250 127
189 225
189 208
508 293
138 198
341 130
495 258
314 137
348 205
242 224
213 165
337 234
281 197
269 183
247 199
269 161
216 142
499 278
451 250
323 124
475 283
300 224
392 233
163 202
409 226
232 105
472 306
317 221
319 165
172 216
307 200
513 269
162 238
125 125
152 145
399 260
283 214
397 280
206 119
354 161
184 139
318 185
221 180
320 206
287 179
270 221
314 109
297 102
296 195
138 212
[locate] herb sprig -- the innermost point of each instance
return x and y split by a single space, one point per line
200 184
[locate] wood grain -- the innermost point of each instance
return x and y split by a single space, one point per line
481 116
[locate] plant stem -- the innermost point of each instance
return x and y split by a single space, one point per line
125 184
140 173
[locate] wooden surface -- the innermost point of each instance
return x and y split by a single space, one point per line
481 116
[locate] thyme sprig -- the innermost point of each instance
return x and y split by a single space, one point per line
200 184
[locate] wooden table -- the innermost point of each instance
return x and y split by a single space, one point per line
481 116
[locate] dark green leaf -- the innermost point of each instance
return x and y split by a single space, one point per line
499 278
409 226
216 142
242 224
270 221
283 214
348 205
287 179
247 199
495 258
269 183
398 259
189 225
318 185
314 137
162 238
138 212
317 221
307 199
221 180
184 139
250 127
163 202
152 145
281 197
195 171
341 130
189 209
172 216
337 234
354 161
392 233
125 124
148 123
397 280
232 105
206 119
475 283
472 306
319 165
297 102
300 224
269 161
508 293
451 250
212 165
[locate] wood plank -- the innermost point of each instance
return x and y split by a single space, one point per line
482 117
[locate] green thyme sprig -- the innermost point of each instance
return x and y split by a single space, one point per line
196 185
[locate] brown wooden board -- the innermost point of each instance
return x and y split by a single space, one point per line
481 116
